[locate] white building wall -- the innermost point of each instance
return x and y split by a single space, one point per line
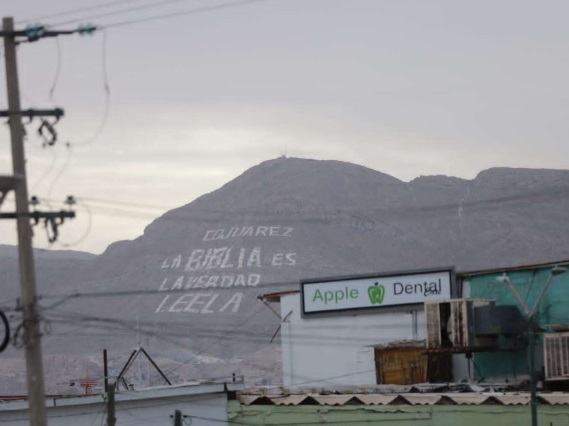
133 408
338 349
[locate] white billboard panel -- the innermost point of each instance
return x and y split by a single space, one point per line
330 295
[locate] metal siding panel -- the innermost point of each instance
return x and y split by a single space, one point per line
556 348
433 323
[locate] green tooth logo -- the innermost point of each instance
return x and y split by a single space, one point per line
376 293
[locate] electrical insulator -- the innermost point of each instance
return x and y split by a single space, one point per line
34 31
86 29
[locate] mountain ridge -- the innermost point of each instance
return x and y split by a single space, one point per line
197 270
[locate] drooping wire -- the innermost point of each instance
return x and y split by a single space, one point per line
215 342
113 3
117 12
61 171
91 139
87 230
47 171
106 87
182 13
6 325
57 72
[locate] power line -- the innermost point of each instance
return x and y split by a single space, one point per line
118 12
113 3
154 292
134 329
114 212
214 343
339 216
308 340
182 13
90 323
126 208
125 203
149 329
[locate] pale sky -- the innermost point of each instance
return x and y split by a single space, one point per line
405 87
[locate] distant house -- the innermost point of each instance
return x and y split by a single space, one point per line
199 404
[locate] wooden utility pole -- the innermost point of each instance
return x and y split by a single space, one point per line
32 343
18 183
111 418
177 418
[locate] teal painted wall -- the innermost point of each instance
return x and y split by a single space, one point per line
554 309
395 415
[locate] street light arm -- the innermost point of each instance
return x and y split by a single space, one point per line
557 270
505 279
538 301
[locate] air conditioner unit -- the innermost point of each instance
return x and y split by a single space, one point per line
556 356
450 324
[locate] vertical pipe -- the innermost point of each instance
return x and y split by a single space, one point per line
533 383
106 370
111 418
177 418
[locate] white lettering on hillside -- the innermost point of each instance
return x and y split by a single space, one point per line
247 231
209 281
199 303
195 278
228 258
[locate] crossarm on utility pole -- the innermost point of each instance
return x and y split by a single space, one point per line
32 113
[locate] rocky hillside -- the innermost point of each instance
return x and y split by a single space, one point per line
188 286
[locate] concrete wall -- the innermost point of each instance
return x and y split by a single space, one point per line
144 408
337 349
396 415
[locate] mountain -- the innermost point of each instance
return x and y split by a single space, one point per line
188 287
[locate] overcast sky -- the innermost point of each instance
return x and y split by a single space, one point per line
406 87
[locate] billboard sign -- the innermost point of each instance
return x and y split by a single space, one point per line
375 291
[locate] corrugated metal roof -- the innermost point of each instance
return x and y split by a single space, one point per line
422 399
407 398
513 399
469 399
554 398
377 399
